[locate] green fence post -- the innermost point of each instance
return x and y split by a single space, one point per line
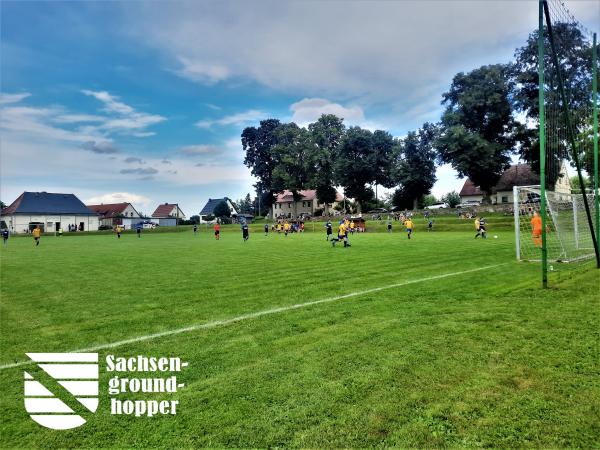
595 108
542 121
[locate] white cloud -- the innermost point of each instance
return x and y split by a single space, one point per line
38 121
447 181
128 120
242 118
111 102
12 98
120 197
77 118
376 49
202 72
309 110
201 149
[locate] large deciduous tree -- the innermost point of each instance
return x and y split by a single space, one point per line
382 158
293 153
353 164
326 134
415 166
259 145
478 131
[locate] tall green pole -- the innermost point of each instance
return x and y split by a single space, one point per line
595 106
542 110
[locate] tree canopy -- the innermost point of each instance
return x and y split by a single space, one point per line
478 131
222 210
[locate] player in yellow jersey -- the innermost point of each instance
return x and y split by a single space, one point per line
408 223
342 235
37 232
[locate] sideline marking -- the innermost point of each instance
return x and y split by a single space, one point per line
266 312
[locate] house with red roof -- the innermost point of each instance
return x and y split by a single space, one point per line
515 175
168 214
113 214
286 208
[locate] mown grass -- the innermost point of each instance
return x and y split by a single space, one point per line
480 359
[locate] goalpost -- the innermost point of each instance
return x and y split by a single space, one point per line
568 126
568 238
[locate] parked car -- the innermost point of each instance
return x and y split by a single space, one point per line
438 206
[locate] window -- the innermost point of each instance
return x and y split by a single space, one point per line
289 206
504 199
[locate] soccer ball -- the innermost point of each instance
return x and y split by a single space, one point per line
495 236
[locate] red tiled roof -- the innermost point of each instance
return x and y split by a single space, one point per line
13 206
164 210
470 189
109 209
287 196
515 175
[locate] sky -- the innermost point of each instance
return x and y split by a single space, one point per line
145 101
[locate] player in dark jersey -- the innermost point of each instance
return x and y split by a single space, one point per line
245 231
266 229
329 229
5 236
481 231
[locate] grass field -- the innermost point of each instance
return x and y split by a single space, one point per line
439 341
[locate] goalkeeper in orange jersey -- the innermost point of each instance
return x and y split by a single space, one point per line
536 234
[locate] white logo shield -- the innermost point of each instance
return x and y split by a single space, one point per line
75 373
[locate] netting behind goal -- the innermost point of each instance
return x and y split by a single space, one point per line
568 236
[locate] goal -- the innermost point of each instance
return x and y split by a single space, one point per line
568 237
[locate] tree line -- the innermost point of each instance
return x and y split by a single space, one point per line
477 135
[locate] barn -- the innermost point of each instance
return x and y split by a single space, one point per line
49 211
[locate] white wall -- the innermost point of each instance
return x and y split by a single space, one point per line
130 212
19 223
478 198
287 208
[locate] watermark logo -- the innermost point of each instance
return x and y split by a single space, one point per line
61 389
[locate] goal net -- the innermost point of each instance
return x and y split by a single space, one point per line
568 236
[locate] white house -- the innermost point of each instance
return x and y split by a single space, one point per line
515 175
209 209
167 214
50 211
112 214
285 207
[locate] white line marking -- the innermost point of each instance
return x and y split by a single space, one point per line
254 315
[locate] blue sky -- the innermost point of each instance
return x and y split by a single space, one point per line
145 101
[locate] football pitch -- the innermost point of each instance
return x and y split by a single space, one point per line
442 340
